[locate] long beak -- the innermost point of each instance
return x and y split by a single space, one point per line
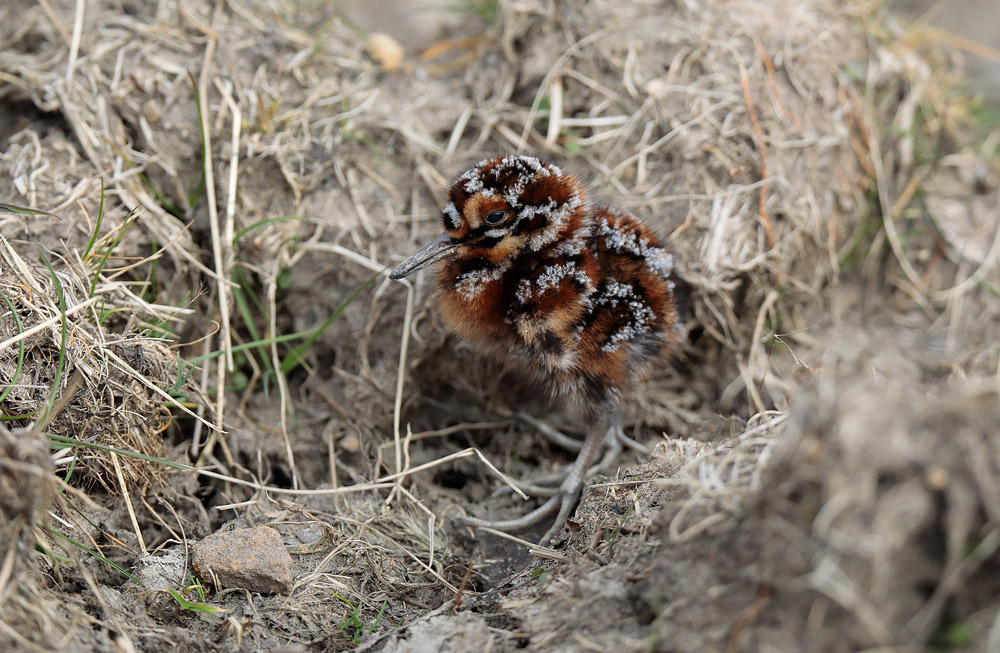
437 249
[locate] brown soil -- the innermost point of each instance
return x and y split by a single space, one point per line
825 458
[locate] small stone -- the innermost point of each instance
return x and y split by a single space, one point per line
152 111
350 444
253 559
937 477
385 51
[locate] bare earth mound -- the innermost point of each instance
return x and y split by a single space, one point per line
198 201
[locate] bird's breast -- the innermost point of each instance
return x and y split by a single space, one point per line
471 299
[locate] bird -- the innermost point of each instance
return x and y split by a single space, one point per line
583 297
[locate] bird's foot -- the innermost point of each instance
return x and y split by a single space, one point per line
561 503
615 442
616 438
564 500
547 485
549 432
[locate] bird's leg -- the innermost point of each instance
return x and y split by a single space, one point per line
616 442
551 434
616 437
634 445
535 487
547 485
569 490
613 441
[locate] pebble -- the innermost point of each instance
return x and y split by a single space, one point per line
253 559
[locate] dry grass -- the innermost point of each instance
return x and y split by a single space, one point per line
67 335
821 184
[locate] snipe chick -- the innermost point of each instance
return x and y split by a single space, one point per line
584 297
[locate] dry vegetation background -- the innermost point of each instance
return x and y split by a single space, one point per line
207 178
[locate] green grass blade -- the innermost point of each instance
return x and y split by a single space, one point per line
261 224
161 199
97 227
294 357
199 188
14 418
54 559
107 252
88 550
63 440
14 208
378 617
62 342
70 470
20 350
194 607
240 297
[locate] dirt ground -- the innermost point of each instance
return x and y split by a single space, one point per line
200 200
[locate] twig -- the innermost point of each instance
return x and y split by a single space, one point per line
128 502
464 453
555 111
762 146
74 46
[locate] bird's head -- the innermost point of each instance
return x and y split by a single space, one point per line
499 209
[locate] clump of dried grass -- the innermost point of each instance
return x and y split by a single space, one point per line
32 615
113 385
26 485
717 480
884 487
84 378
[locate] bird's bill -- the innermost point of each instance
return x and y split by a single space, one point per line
439 248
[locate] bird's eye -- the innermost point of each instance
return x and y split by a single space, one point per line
496 218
